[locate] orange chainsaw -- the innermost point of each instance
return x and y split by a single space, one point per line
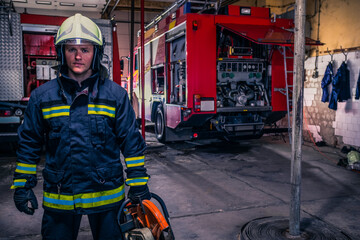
144 221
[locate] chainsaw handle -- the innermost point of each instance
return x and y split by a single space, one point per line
121 211
153 195
162 204
126 226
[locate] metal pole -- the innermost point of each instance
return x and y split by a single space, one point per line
297 122
142 70
113 8
105 8
131 63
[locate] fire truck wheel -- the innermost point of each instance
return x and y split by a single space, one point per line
160 128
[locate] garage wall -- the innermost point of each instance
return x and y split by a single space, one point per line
334 127
123 31
338 29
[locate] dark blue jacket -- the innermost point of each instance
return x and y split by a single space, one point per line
325 82
341 86
84 129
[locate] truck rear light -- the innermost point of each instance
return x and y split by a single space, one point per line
195 135
197 103
195 25
5 113
203 104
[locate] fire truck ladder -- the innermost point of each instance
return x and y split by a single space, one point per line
195 6
287 91
201 5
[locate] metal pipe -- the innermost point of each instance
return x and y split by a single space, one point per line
142 70
106 6
175 5
297 121
113 8
132 50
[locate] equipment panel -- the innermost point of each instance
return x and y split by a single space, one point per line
11 70
239 71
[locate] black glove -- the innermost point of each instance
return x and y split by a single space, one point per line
139 193
21 198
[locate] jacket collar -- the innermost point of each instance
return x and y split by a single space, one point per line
69 87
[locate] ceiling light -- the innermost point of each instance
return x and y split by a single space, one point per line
67 4
43 2
89 5
19 1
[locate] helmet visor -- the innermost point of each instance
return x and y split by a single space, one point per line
77 41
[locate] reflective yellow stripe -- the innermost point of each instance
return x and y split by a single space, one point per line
18 183
83 200
56 111
55 108
57 115
100 109
134 161
57 206
102 113
101 106
25 168
26 165
137 181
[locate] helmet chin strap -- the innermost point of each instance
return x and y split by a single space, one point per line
95 64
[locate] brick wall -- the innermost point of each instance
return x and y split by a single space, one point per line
340 127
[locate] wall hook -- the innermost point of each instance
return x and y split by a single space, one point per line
344 52
332 59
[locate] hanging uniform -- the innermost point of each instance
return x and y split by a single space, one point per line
325 82
341 86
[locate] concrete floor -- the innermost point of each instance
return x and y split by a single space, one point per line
213 188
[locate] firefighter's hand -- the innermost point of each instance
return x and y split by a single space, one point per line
139 193
22 197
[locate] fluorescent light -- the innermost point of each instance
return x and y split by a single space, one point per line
67 4
89 5
43 2
245 11
20 1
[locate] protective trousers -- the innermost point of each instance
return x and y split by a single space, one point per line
64 226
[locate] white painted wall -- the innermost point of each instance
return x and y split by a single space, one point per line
346 122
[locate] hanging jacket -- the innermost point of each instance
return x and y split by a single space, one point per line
84 129
325 82
341 86
345 92
357 94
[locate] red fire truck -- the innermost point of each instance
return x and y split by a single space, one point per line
213 72
28 59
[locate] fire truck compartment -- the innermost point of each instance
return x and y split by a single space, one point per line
265 34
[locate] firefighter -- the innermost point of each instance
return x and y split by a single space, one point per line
84 120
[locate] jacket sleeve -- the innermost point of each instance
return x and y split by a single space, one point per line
132 144
31 139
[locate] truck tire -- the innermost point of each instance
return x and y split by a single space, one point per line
160 127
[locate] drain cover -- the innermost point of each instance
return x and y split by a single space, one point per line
277 228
